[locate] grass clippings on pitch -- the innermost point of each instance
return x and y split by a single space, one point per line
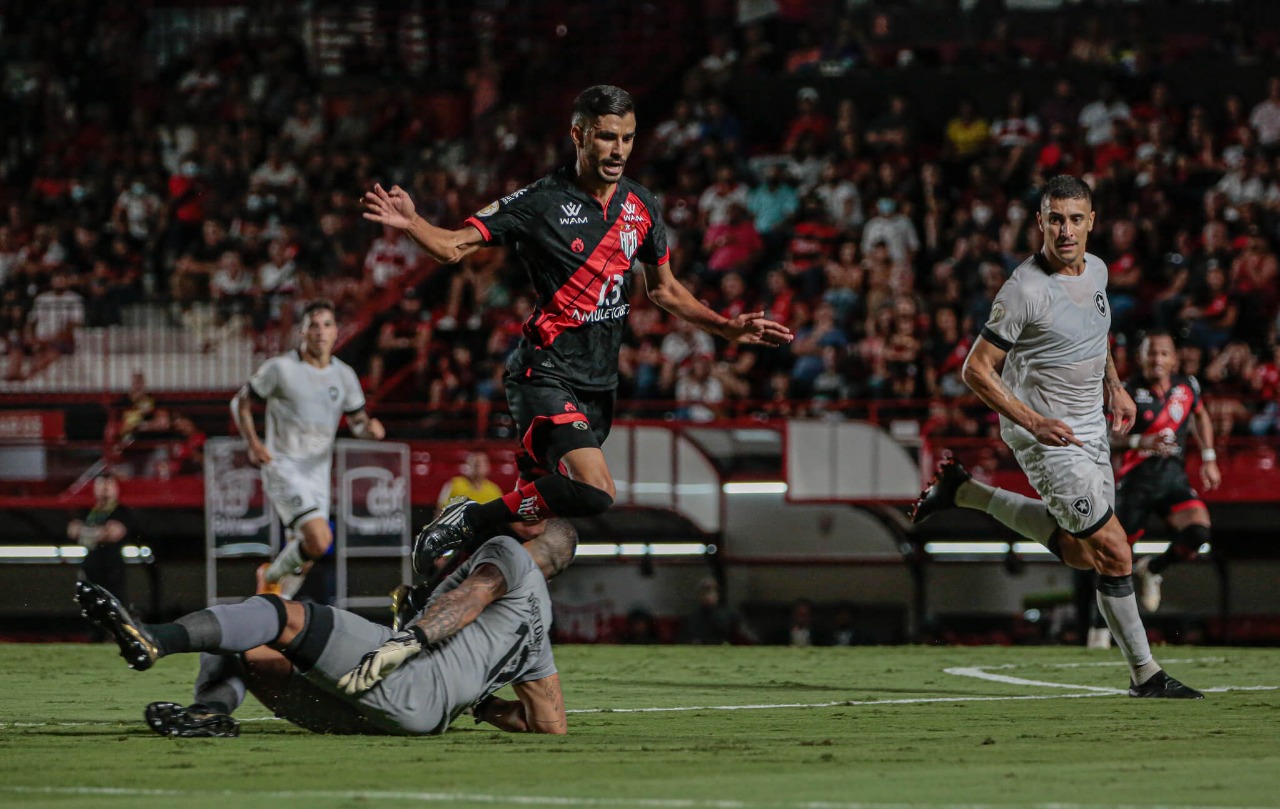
861 728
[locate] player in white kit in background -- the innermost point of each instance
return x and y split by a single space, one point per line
307 391
1043 362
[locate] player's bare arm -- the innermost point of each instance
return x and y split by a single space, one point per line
395 209
539 709
363 426
1116 399
982 375
242 413
453 610
1202 429
750 327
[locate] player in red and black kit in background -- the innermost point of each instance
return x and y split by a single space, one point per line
578 231
1152 476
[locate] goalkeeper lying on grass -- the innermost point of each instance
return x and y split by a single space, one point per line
330 671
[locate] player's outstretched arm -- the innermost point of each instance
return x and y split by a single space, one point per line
395 209
982 375
671 295
448 614
539 709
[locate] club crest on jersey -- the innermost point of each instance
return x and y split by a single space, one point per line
333 394
1176 411
577 245
1083 506
630 241
1100 301
571 211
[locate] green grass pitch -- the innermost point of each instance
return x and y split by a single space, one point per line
655 728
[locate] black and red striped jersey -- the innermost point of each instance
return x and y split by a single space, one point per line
579 254
1160 412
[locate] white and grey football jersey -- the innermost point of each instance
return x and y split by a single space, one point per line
305 405
1055 329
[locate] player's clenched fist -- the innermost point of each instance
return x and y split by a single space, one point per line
382 661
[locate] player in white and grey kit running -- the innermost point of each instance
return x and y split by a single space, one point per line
331 671
1049 329
307 391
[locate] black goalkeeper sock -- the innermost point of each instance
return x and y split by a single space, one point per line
170 638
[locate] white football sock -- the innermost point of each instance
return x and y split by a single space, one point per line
1118 605
974 494
289 561
1025 515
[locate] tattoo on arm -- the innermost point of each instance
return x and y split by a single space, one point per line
453 610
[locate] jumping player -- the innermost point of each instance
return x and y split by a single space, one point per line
1152 474
307 391
1048 331
578 231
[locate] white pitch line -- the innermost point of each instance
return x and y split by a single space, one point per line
976 672
550 800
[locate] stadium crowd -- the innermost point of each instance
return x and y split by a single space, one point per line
224 184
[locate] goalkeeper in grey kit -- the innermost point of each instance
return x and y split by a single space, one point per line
331 671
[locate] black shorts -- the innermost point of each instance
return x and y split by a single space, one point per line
1155 486
553 418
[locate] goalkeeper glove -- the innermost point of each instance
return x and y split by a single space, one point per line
388 657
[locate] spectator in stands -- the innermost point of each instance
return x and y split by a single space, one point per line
712 622
714 204
773 203
1125 275
404 337
477 282
56 316
471 481
232 288
1265 117
966 133
809 120
841 197
894 229
893 133
304 128
800 630
697 389
100 532
733 245
389 257
1062 108
1211 314
809 342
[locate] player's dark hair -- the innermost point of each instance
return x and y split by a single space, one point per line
598 101
1064 186
318 306
1147 335
559 542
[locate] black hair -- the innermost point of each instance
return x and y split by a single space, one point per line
318 306
598 101
1064 186
1147 335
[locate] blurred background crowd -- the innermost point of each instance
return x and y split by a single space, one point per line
218 184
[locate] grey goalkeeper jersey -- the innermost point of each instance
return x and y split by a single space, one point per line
1055 329
507 644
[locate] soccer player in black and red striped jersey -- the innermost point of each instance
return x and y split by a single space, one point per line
1152 476
578 231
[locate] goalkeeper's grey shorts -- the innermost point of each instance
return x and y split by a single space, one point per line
410 702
